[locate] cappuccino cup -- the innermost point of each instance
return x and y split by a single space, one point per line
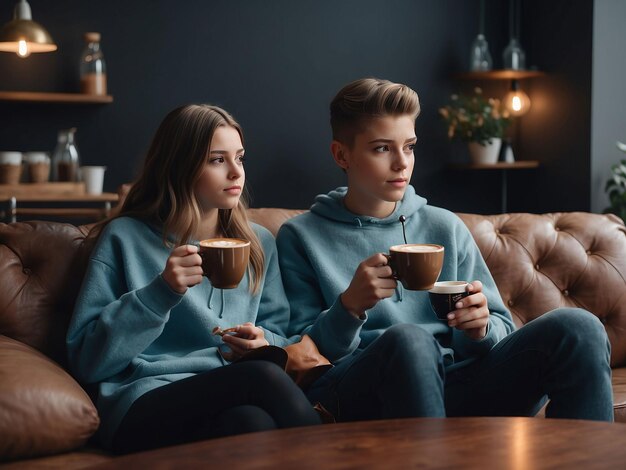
224 261
444 295
417 266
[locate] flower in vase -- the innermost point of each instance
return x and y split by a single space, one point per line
474 118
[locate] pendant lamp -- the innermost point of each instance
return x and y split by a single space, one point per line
23 36
516 101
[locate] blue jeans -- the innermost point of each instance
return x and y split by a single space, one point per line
563 356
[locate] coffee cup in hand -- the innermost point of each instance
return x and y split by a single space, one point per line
444 295
417 266
224 261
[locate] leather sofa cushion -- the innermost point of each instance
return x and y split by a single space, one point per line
43 410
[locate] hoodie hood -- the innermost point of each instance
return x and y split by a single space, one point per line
331 206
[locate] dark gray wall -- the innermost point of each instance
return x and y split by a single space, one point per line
609 95
275 65
557 130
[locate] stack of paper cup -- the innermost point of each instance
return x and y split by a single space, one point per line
93 176
10 167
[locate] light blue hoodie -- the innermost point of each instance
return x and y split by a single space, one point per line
131 332
319 252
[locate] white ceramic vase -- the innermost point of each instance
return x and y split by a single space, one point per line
485 154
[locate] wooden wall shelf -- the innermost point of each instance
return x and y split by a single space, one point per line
501 75
43 97
52 192
503 167
70 199
517 165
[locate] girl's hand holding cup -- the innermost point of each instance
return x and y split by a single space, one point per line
183 268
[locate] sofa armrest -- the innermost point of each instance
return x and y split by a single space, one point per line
43 410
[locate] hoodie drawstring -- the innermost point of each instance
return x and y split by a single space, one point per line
222 306
210 303
399 292
358 222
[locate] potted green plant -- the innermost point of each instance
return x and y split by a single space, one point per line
616 187
479 121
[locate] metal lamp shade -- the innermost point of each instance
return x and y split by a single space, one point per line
35 36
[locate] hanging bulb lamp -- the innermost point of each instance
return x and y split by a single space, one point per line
24 36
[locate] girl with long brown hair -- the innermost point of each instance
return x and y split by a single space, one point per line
142 324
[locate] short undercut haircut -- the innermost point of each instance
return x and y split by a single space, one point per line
369 98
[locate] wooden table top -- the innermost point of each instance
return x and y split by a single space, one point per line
485 443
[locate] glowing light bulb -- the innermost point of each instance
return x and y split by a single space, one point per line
516 101
22 49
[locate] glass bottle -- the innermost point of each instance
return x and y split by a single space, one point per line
480 58
513 56
93 78
65 160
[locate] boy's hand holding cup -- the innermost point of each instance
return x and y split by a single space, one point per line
444 296
371 283
416 265
463 305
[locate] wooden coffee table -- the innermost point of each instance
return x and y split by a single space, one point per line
489 443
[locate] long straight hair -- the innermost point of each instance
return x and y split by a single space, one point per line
164 192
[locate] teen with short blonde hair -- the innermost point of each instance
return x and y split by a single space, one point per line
393 357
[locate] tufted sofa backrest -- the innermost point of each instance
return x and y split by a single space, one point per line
272 218
41 268
539 262
542 262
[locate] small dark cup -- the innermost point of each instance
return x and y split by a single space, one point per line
444 295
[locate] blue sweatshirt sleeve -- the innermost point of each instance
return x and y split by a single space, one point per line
111 326
273 314
333 329
471 267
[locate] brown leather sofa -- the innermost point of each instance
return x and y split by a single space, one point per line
539 262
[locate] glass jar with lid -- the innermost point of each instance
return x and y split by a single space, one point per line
93 78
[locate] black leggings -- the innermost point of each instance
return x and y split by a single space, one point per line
235 399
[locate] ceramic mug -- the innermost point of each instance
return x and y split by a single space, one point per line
224 261
416 265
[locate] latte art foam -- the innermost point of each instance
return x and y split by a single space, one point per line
223 243
417 248
449 287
